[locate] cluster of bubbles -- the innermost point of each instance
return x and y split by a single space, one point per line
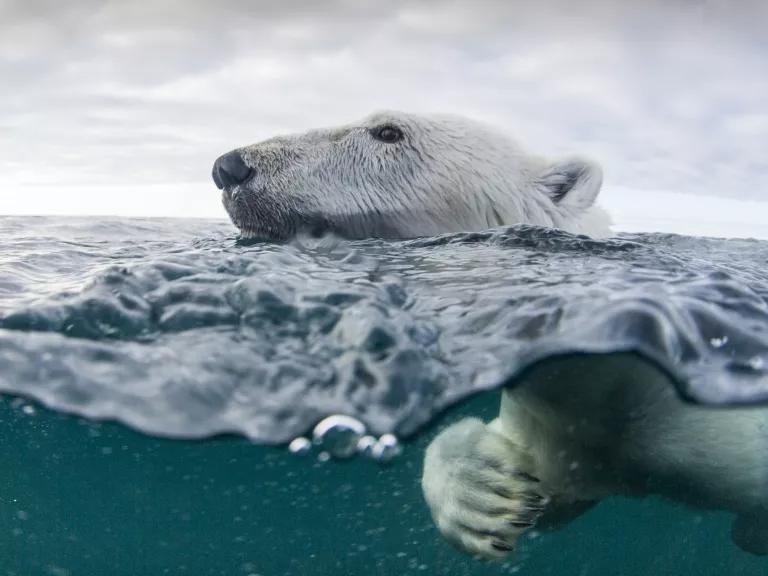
343 437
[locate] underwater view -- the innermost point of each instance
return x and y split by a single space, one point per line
176 400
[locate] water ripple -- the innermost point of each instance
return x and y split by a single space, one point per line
178 329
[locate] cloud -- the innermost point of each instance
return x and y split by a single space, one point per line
667 95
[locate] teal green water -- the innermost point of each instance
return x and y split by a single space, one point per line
81 498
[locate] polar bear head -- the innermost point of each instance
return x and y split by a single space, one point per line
397 175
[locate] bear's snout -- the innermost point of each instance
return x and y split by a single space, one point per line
230 170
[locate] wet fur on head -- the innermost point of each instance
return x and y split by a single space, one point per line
445 174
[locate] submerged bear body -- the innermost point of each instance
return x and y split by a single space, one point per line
581 429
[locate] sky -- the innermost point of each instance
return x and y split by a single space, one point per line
121 107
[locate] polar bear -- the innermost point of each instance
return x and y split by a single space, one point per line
397 175
576 429
581 428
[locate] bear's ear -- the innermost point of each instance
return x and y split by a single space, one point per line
573 183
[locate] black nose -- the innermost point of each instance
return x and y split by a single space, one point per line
230 169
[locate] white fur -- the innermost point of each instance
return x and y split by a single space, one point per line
448 174
586 428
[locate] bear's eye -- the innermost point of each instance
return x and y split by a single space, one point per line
387 133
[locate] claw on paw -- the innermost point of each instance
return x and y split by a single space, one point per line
480 494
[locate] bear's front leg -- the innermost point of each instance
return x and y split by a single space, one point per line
481 488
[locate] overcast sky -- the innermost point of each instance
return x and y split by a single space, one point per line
122 106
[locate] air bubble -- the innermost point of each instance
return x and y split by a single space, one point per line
342 437
339 435
719 342
300 446
387 448
366 445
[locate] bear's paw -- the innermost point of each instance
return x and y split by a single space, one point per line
479 489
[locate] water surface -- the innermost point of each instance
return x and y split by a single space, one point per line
122 341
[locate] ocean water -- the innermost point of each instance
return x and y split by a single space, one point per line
153 373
